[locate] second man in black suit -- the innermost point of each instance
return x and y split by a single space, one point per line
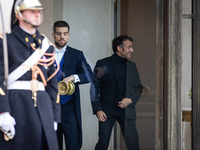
118 88
71 69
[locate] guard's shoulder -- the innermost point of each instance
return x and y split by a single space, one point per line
48 40
8 35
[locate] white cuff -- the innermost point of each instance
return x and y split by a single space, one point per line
76 78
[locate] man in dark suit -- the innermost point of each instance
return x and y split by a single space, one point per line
118 88
71 69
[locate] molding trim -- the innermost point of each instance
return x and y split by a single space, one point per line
196 76
160 29
174 75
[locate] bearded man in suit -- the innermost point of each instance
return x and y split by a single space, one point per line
72 63
117 89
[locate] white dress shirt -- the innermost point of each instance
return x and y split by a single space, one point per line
59 55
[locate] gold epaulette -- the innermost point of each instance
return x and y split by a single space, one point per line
48 40
2 92
1 36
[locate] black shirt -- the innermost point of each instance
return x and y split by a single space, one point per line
120 67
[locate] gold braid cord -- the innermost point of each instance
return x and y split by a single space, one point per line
44 62
35 71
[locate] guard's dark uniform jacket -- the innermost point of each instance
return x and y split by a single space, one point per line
31 121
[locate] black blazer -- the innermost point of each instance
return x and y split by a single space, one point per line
73 64
107 88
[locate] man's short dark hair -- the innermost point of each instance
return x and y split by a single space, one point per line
60 23
119 41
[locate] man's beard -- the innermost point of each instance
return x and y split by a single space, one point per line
60 46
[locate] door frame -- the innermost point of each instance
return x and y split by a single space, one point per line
196 76
168 98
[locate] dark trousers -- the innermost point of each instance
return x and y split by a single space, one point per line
105 129
68 127
131 134
44 145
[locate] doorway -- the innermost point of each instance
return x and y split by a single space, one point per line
138 20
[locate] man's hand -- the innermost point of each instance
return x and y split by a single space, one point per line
68 79
124 103
101 116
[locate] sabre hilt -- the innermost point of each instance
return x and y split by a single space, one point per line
7 135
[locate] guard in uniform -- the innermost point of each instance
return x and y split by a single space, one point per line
30 110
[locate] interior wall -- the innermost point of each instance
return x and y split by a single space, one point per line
138 20
6 10
186 73
46 26
186 55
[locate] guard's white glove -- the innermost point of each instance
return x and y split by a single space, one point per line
7 122
55 126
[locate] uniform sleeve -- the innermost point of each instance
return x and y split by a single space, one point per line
52 90
83 66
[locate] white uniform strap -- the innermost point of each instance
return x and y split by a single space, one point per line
25 85
30 62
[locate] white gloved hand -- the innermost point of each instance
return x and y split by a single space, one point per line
7 122
55 126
